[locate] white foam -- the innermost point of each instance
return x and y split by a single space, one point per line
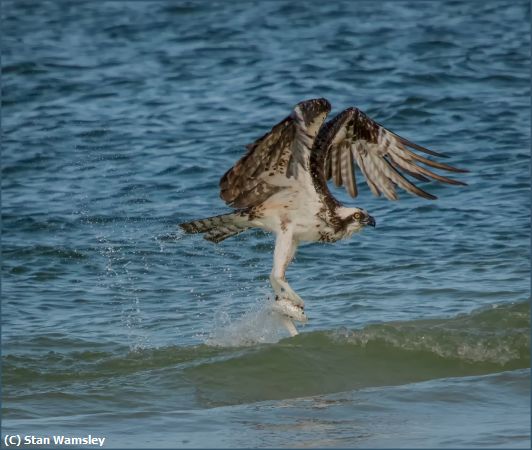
259 325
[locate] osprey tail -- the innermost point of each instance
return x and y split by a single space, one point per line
218 228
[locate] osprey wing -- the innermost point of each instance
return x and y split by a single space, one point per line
273 162
383 157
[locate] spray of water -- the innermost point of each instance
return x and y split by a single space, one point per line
258 325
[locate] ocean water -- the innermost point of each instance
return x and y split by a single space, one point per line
119 118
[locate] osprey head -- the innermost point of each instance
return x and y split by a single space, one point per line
363 218
355 219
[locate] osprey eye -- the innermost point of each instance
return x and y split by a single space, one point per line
357 216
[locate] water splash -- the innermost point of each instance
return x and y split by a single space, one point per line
258 325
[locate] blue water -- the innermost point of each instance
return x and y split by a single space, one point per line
119 118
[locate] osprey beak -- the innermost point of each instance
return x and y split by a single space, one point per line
369 221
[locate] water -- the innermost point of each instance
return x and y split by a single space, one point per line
118 120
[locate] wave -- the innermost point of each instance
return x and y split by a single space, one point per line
489 340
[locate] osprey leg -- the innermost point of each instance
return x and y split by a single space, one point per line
287 303
285 249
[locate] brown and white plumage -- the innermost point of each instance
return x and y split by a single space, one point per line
352 138
280 184
273 159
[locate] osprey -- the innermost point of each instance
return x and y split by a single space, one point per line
280 185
